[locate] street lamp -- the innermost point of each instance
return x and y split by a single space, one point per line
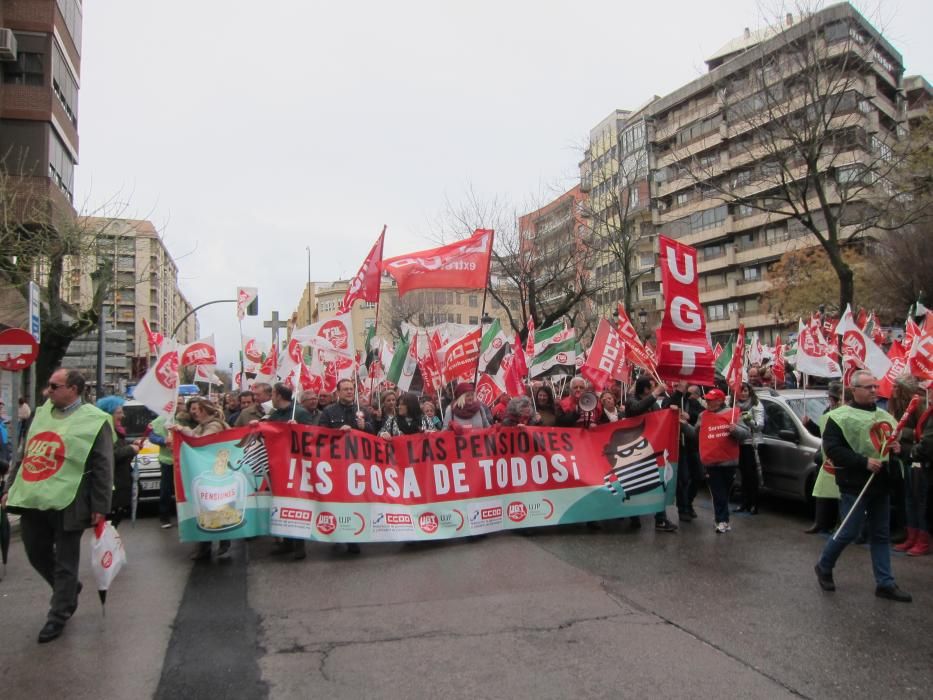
308 248
643 321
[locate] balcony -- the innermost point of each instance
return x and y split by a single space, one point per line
717 292
745 287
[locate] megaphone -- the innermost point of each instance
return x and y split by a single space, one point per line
587 402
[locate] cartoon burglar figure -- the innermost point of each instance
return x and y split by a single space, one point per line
635 466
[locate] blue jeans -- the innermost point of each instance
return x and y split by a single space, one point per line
876 506
917 486
720 483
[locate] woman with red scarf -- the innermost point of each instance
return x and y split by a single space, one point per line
465 411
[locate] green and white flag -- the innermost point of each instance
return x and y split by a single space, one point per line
493 342
410 364
394 372
550 335
725 358
917 309
560 353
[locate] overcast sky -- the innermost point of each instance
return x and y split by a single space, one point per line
247 131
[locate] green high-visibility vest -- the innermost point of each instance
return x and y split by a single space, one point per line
55 456
864 430
160 429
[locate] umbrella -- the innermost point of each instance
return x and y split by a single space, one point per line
107 558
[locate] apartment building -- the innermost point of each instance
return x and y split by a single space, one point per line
40 66
423 307
616 216
553 249
718 146
144 286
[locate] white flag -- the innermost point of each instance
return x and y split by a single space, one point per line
814 354
158 389
858 350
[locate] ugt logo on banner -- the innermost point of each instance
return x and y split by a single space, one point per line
683 350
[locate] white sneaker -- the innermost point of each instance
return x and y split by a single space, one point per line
166 526
728 527
722 528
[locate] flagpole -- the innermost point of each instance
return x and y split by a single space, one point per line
375 331
481 317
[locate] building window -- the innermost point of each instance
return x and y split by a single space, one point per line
439 297
61 166
71 11
716 312
751 274
717 250
711 218
633 197
474 301
25 70
646 259
64 85
743 210
650 288
776 234
474 320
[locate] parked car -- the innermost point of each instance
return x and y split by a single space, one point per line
146 469
787 448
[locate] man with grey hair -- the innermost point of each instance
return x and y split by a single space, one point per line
857 438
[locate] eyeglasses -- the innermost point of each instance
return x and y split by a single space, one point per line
53 386
870 387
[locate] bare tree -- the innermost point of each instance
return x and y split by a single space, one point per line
39 233
616 213
812 123
547 274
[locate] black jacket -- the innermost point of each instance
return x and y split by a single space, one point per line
851 467
338 415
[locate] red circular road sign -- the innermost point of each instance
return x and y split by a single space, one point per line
18 349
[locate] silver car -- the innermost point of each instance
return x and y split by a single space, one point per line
787 448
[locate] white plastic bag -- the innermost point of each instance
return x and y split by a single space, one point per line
107 555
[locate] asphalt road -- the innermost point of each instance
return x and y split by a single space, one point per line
555 613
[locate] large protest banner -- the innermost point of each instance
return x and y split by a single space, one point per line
347 486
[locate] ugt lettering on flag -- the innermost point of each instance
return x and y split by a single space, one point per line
460 265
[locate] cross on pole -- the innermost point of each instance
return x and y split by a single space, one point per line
275 324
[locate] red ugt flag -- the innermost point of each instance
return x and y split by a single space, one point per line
365 285
460 265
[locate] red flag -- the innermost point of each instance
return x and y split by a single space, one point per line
530 340
519 361
606 358
911 333
270 365
460 265
683 349
461 356
366 285
877 335
514 386
735 371
487 390
920 362
635 349
862 318
779 369
717 351
154 339
898 366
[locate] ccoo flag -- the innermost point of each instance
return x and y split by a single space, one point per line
460 265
